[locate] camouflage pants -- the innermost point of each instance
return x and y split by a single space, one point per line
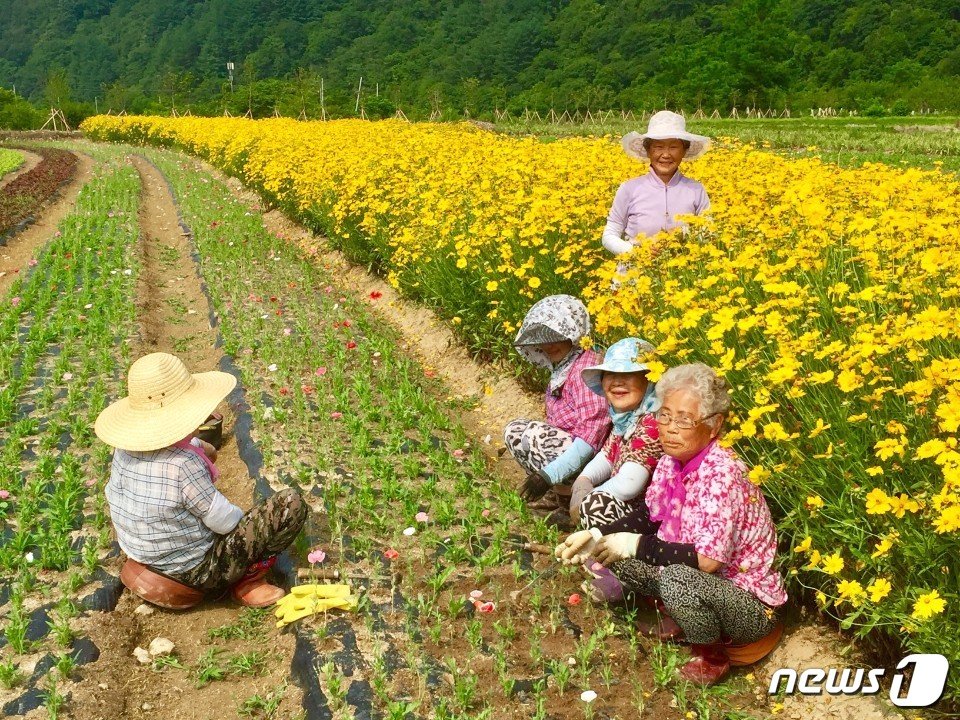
262 532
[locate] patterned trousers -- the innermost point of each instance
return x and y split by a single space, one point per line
709 608
600 508
535 444
263 531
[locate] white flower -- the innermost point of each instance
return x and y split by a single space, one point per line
588 696
272 367
410 531
29 557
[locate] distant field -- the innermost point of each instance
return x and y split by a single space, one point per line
927 142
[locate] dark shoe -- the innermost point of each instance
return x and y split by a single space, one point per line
560 519
665 629
549 502
708 666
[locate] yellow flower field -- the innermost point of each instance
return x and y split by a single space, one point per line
828 297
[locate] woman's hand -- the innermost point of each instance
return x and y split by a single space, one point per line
577 547
582 487
209 450
617 546
534 487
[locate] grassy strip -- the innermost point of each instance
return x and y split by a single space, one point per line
10 160
64 326
26 194
345 416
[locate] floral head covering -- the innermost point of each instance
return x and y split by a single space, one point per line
553 319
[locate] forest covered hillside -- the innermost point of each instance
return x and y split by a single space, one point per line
481 54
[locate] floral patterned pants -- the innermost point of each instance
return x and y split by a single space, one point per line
535 444
262 532
708 607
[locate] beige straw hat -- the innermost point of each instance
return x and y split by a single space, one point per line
165 403
665 125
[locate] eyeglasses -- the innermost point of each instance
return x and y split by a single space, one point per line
683 423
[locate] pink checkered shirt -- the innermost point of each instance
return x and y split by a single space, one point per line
575 408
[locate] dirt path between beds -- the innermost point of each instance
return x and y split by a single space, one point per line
20 248
174 317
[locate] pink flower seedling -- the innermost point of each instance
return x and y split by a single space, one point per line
476 594
67 377
287 331
485 513
15 301
316 556
4 494
336 415
391 554
458 455
33 262
574 599
320 371
351 345
90 482
422 517
328 289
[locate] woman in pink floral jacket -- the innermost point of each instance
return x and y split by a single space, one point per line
704 544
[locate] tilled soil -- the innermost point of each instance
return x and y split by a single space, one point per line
175 317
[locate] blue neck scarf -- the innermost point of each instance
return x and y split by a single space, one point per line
624 422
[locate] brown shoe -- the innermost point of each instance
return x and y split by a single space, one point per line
257 593
548 502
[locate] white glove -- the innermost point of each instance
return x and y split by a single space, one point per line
617 546
578 546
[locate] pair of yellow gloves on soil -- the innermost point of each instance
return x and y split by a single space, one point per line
303 600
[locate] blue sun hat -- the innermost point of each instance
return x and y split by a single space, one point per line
620 357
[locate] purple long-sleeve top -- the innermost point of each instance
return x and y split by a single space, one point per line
645 205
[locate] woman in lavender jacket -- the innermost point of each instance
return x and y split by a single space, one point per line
645 205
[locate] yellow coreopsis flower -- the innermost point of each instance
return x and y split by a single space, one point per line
534 282
832 564
901 504
877 502
851 591
814 560
814 502
928 605
879 589
804 546
492 286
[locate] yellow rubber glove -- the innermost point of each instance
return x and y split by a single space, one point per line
304 600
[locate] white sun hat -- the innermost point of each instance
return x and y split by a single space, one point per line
165 403
665 125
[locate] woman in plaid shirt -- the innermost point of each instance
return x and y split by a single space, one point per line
577 423
166 512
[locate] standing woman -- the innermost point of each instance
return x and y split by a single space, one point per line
577 422
645 205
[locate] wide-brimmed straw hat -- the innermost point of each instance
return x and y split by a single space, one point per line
621 357
665 125
164 404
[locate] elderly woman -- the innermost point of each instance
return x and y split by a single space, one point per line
705 543
645 205
553 452
613 483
